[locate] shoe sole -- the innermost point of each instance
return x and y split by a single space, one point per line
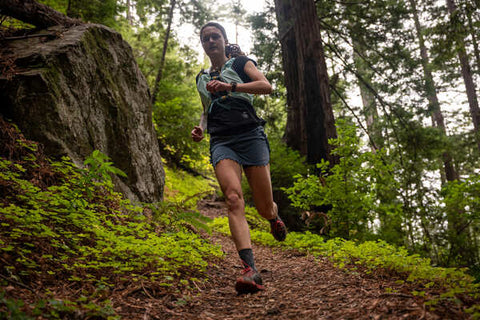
243 286
279 236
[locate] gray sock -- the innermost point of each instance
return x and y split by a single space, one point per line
247 257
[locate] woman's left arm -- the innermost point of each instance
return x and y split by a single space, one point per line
258 85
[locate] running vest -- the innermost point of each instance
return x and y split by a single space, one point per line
227 113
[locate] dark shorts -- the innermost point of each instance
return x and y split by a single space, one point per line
247 149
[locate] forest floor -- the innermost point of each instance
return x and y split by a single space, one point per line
298 286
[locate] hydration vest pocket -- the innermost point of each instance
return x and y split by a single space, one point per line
235 116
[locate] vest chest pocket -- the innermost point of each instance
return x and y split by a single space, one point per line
236 114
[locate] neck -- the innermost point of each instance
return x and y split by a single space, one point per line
218 62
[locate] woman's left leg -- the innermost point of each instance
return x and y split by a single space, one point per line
260 182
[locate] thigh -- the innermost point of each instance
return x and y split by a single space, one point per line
261 185
229 176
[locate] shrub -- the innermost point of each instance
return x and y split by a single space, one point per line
63 223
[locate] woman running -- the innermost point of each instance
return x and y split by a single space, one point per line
237 141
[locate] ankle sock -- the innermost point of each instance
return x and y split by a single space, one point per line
247 256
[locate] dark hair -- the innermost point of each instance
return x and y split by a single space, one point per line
216 25
231 50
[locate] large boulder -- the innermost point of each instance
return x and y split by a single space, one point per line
79 89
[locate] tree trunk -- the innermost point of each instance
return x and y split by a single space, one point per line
35 13
310 120
473 34
467 76
461 250
370 111
164 52
431 91
129 13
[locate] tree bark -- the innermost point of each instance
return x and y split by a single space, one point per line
467 76
164 52
310 120
35 13
294 131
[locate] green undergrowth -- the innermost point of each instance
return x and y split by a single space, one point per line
371 257
65 226
185 189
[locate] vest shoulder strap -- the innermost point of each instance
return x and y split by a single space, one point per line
199 74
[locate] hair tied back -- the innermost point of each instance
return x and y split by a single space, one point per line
233 50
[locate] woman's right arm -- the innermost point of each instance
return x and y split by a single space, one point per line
197 132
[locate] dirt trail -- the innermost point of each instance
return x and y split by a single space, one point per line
298 286
301 287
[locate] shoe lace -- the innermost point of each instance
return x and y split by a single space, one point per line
279 225
246 270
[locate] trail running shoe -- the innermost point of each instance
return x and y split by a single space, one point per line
249 282
278 229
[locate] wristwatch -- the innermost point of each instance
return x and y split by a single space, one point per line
234 86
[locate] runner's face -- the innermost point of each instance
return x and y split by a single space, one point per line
213 41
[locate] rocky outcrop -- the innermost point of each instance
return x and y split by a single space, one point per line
79 89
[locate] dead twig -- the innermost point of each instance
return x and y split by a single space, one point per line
146 292
17 283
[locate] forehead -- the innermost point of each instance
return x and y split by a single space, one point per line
210 30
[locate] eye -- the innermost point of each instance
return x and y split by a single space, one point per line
213 36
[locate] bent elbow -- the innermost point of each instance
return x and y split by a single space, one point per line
268 89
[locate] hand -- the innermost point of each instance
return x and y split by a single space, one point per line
216 86
197 134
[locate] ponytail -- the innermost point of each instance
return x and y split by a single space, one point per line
233 51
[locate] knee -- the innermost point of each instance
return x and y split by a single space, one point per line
234 201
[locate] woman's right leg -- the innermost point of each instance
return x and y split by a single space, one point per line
229 176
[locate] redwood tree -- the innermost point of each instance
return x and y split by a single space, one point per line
310 120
